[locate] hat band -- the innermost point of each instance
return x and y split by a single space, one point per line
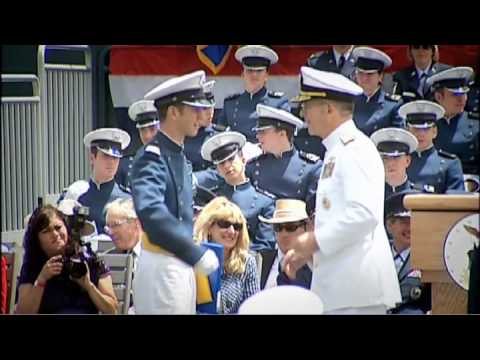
256 62
393 147
187 95
148 116
224 152
289 213
311 91
451 83
369 64
268 121
421 118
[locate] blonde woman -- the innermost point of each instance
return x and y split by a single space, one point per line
222 222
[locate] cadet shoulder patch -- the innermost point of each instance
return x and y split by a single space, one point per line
393 97
347 139
316 55
231 97
152 149
309 157
276 94
447 155
219 128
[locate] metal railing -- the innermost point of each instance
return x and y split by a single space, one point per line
66 105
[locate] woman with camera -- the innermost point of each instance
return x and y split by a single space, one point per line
50 282
222 222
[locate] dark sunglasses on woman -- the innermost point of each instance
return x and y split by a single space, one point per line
224 224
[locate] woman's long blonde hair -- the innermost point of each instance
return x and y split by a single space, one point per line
221 208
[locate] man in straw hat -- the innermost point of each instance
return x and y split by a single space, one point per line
353 270
289 220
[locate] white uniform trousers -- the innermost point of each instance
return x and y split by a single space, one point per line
163 284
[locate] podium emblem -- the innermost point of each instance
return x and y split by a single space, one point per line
460 241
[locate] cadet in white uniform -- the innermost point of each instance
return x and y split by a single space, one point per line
353 270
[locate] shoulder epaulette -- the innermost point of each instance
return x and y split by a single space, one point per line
311 158
393 97
219 127
474 115
316 55
446 154
276 94
265 192
347 139
153 149
233 96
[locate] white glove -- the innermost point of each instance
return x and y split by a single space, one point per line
207 264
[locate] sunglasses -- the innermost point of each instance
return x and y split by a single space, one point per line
224 224
426 47
289 227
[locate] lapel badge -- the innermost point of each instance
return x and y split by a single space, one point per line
328 168
326 203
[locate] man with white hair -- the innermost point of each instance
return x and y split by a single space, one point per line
353 270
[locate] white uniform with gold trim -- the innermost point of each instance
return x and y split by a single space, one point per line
354 266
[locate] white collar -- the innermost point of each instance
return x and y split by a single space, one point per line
346 128
420 71
403 254
137 249
337 55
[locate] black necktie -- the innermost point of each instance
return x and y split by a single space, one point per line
341 62
421 83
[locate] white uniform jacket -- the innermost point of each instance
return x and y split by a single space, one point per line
354 266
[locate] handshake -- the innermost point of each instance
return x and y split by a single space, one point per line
207 264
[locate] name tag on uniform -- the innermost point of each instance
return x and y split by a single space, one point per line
328 168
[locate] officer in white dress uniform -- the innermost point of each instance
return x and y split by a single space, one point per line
353 270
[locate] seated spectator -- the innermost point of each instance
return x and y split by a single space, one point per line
125 230
374 109
410 81
46 285
123 226
221 221
225 151
431 168
289 220
416 297
458 130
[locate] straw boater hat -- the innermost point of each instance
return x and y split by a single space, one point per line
287 210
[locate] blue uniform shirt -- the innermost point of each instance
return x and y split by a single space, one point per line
122 177
389 190
239 110
407 81
310 144
252 203
96 197
193 146
325 61
379 112
460 137
163 197
293 176
440 171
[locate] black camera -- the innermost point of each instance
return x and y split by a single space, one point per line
77 252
